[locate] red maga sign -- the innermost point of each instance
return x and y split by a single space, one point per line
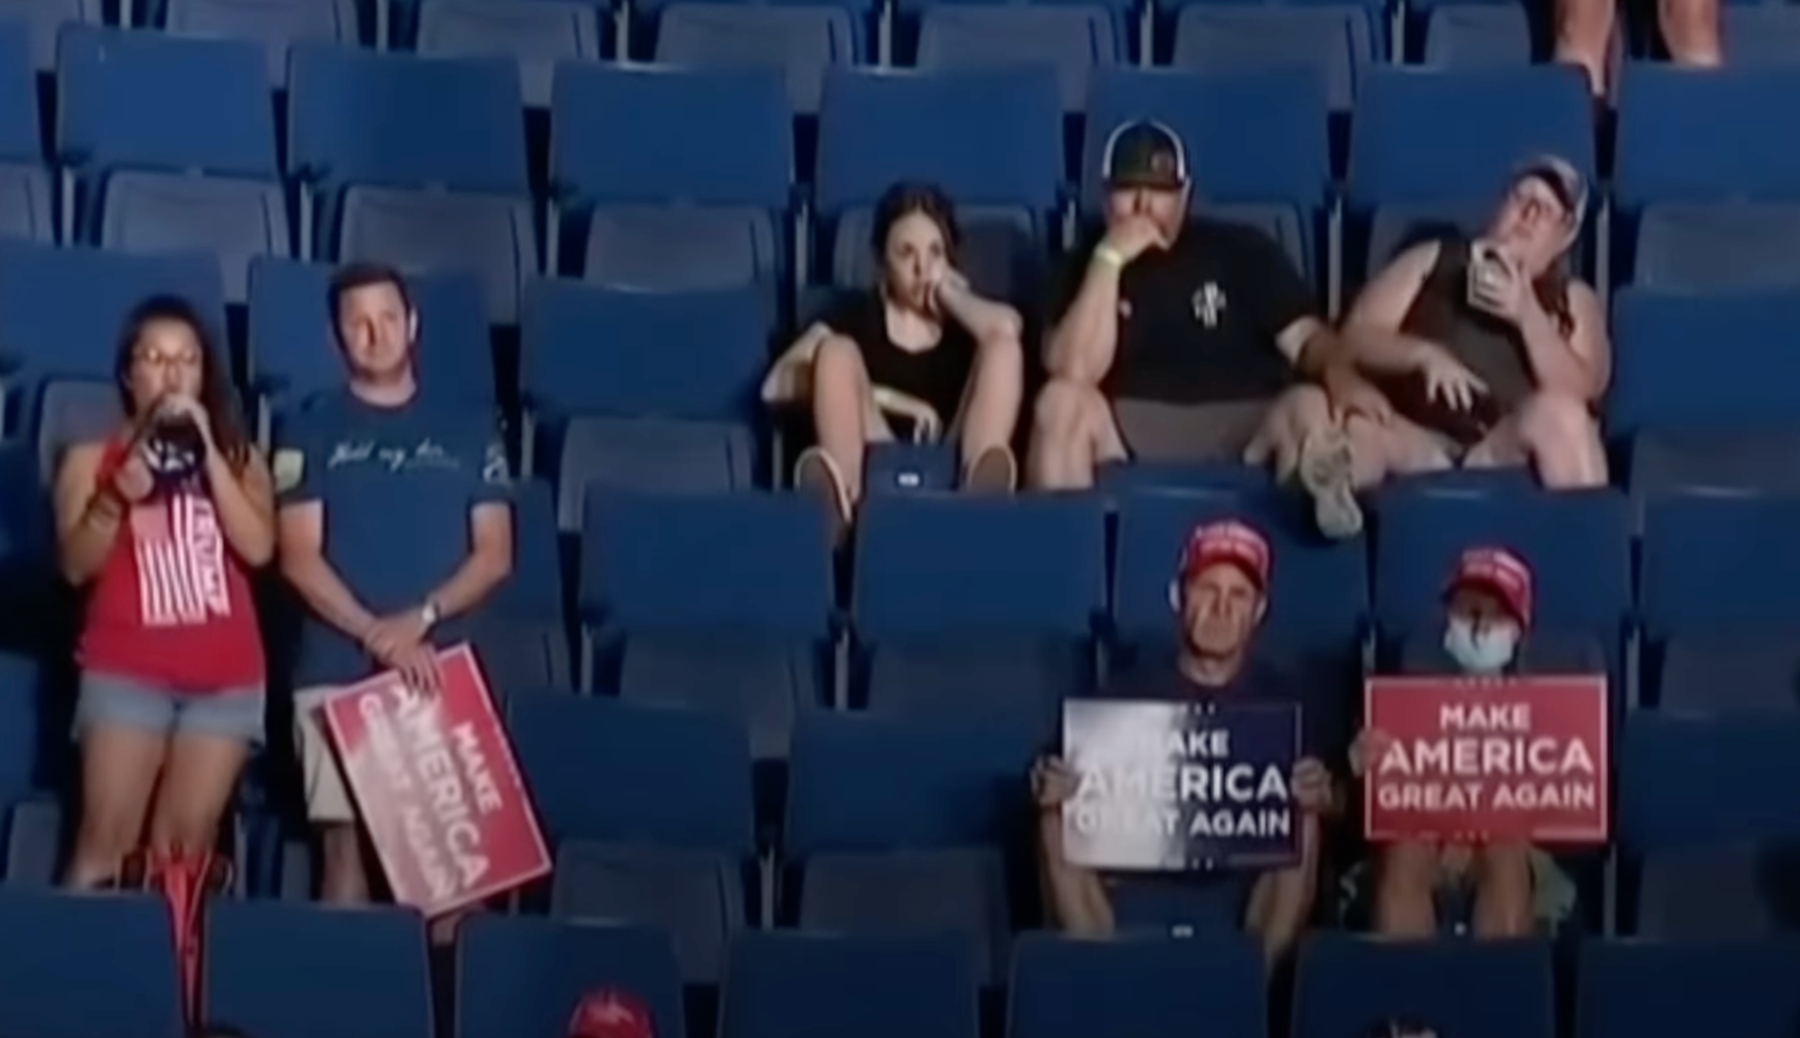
437 787
1487 758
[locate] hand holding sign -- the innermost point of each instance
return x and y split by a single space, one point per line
1053 782
1312 785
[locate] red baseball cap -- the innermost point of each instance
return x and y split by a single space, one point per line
611 1013
1498 572
1226 541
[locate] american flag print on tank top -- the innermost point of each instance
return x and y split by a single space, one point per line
180 553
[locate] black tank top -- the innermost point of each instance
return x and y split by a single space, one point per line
1491 348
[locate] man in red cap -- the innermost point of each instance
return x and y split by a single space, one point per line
1221 593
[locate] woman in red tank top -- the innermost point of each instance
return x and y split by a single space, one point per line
161 523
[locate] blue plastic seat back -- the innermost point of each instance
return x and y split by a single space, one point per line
956 891
1747 384
1719 563
1155 987
536 35
803 41
1459 36
1718 246
86 966
759 684
1348 984
779 985
695 898
521 975
1674 147
1071 39
1332 41
1633 988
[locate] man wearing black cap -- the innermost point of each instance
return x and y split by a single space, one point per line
1176 333
1490 351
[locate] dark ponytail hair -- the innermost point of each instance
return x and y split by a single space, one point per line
909 197
216 395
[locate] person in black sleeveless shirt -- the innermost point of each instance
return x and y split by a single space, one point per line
1488 353
920 345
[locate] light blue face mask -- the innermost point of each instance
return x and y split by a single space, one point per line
1488 651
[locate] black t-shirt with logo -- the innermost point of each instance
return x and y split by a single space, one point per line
1198 322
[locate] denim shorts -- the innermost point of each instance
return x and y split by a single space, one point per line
109 699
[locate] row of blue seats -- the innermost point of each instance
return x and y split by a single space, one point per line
99 967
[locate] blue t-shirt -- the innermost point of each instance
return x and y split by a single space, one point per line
397 485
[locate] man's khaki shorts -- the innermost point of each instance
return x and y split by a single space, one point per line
327 796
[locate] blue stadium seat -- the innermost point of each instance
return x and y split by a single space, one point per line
1074 39
1645 989
1760 36
535 589
591 350
1019 681
537 35
1744 386
865 783
1719 564
26 205
953 567
89 967
34 843
1709 804
293 348
284 970
694 899
616 170
1257 137
1346 985
1729 672
760 684
1674 147
1577 543
1718 246
1424 135
391 179
61 310
755 565
1708 460
1395 228
996 254
675 778
43 21
21 696
172 142
1320 592
72 411
1282 223
649 454
991 138
1333 41
522 976
1154 987
274 24
957 891
1466 36
801 40
784 985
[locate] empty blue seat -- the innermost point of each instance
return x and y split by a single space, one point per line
1747 383
293 347
675 778
21 693
948 566
783 985
1016 680
1709 804
649 454
517 975
647 208
1729 671
755 565
1464 36
1258 137
1320 590
758 683
1282 224
274 24
1333 41
72 411
959 891
1714 460
535 589
1760 35
391 179
1652 989
34 843
43 21
172 142
1576 542
536 35
26 204
694 899
801 40
591 350
865 783
1674 147
1718 246
87 966
1346 985
285 970
1423 135
1155 987
1073 39
1717 564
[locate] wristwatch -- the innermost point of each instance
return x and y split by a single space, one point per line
429 614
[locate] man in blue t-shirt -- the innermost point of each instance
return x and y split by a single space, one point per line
1221 591
395 527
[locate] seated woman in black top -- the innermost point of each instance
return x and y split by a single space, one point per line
1486 352
920 345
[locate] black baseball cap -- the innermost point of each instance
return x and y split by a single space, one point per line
1144 153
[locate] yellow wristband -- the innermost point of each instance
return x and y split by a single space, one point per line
1108 256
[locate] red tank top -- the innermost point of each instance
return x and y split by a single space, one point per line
171 604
